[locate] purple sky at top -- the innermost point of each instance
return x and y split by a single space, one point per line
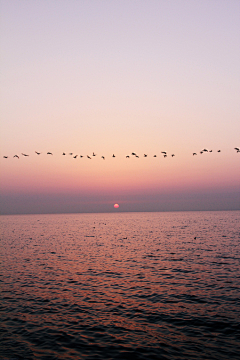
120 77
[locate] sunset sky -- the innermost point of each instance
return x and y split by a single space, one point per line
116 77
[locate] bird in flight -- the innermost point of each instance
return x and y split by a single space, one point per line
38 153
70 153
173 155
5 157
144 155
24 154
93 154
103 157
134 154
113 155
88 157
154 155
75 157
219 151
63 153
163 152
128 157
165 155
81 156
49 153
16 156
194 154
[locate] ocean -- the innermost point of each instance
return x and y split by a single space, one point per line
121 286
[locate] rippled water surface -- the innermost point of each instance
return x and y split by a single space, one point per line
121 286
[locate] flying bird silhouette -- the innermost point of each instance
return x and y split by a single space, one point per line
63 153
219 151
128 157
163 152
113 155
93 154
103 157
16 156
173 155
88 157
38 153
75 157
24 154
154 155
5 157
194 154
144 155
49 153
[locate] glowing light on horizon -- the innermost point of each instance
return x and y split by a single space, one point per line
116 206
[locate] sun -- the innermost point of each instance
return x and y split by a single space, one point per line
116 206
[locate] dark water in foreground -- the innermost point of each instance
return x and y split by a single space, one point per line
121 286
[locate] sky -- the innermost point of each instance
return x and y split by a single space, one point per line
117 77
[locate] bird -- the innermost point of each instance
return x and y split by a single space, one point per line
236 149
144 155
24 154
201 152
163 152
103 157
81 156
88 157
63 153
75 156
38 153
16 156
210 150
70 153
5 157
93 154
154 155
205 150
219 151
113 155
173 155
194 154
136 156
128 157
133 153
49 153
165 155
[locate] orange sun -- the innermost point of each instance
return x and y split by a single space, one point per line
116 206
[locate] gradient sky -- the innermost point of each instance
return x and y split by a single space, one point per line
120 77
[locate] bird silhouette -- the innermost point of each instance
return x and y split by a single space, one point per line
113 155
16 156
5 157
63 153
103 157
219 151
205 150
81 156
88 157
172 155
24 154
163 152
236 149
201 152
165 155
133 153
144 155
38 153
75 157
70 153
194 154
93 154
136 156
154 155
49 153
210 150
128 157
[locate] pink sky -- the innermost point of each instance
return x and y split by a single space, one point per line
120 77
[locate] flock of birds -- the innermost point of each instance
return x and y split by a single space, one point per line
164 153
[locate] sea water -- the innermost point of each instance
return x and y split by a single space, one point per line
121 286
